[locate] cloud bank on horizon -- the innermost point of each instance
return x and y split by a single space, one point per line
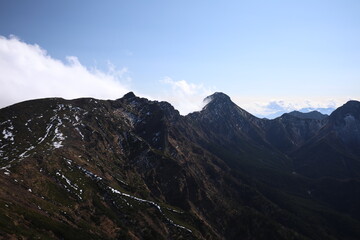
272 108
28 72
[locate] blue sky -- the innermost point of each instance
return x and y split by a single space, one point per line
294 53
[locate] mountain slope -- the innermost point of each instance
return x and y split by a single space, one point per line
137 169
287 133
334 151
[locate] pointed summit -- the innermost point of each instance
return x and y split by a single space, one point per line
218 100
129 95
220 104
217 97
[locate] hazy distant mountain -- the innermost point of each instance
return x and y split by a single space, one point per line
137 169
324 111
308 115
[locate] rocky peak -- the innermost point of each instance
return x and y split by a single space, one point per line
219 103
129 95
217 98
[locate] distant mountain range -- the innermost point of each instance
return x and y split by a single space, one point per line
308 115
324 111
136 169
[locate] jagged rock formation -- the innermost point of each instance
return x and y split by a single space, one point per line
137 169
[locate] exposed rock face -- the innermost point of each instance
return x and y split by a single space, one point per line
137 169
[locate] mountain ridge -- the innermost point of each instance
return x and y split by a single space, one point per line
136 169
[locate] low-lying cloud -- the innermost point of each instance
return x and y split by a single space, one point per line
28 72
271 108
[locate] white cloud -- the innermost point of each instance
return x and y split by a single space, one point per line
28 72
185 97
